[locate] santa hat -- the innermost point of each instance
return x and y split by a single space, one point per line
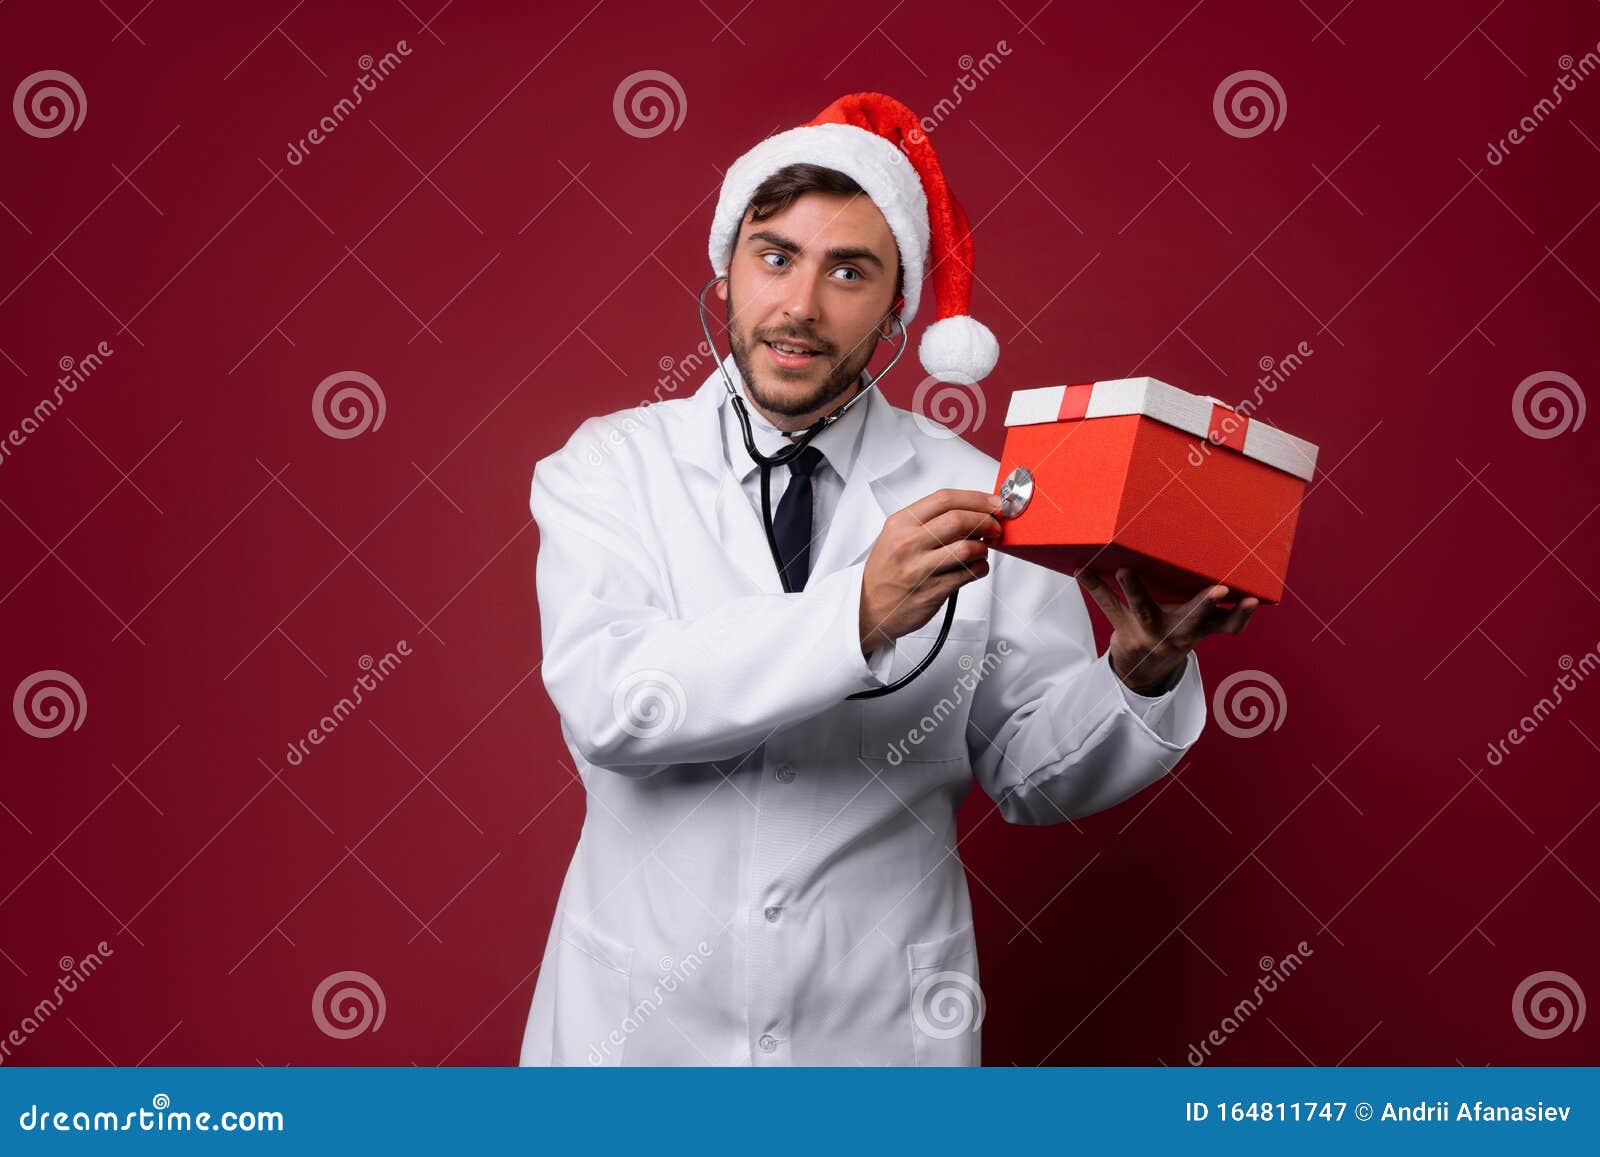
878 142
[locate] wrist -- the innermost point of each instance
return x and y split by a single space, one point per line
871 637
1146 679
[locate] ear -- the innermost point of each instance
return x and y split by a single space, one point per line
886 326
722 289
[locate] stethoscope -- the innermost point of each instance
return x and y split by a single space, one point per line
786 455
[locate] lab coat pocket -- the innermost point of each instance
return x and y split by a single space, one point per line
591 996
926 720
946 1002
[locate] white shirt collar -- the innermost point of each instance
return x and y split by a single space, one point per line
838 442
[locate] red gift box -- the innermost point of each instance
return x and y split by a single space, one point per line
1181 488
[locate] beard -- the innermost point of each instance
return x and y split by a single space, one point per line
841 376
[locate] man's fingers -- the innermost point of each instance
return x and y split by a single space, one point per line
963 575
959 555
954 525
938 585
1189 622
1193 619
1210 619
1138 598
928 508
1240 616
1109 603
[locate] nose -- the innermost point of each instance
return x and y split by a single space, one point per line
801 306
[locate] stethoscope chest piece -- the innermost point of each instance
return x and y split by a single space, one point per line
1016 492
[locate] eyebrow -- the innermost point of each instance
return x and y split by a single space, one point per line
837 253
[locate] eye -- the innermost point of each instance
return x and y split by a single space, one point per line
856 273
779 256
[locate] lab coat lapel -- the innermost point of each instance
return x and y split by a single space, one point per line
735 523
742 535
858 520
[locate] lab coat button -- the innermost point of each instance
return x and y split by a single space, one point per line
785 773
768 1043
772 914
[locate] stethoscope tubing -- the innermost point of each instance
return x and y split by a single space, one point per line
788 453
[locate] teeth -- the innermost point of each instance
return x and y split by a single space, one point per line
789 349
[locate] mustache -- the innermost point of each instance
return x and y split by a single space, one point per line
806 339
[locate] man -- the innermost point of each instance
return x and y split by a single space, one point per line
767 872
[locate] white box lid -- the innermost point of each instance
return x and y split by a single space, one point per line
1197 414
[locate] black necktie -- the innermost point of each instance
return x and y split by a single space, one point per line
792 526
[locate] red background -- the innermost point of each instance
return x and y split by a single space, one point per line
483 239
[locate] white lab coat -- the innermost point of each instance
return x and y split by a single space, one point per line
767 871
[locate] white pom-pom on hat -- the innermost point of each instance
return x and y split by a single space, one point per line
958 349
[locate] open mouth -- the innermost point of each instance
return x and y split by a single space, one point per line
790 355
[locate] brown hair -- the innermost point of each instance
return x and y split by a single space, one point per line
778 192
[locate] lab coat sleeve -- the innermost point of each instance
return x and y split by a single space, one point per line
880 661
1053 733
1151 708
639 689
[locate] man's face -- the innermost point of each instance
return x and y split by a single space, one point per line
818 277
